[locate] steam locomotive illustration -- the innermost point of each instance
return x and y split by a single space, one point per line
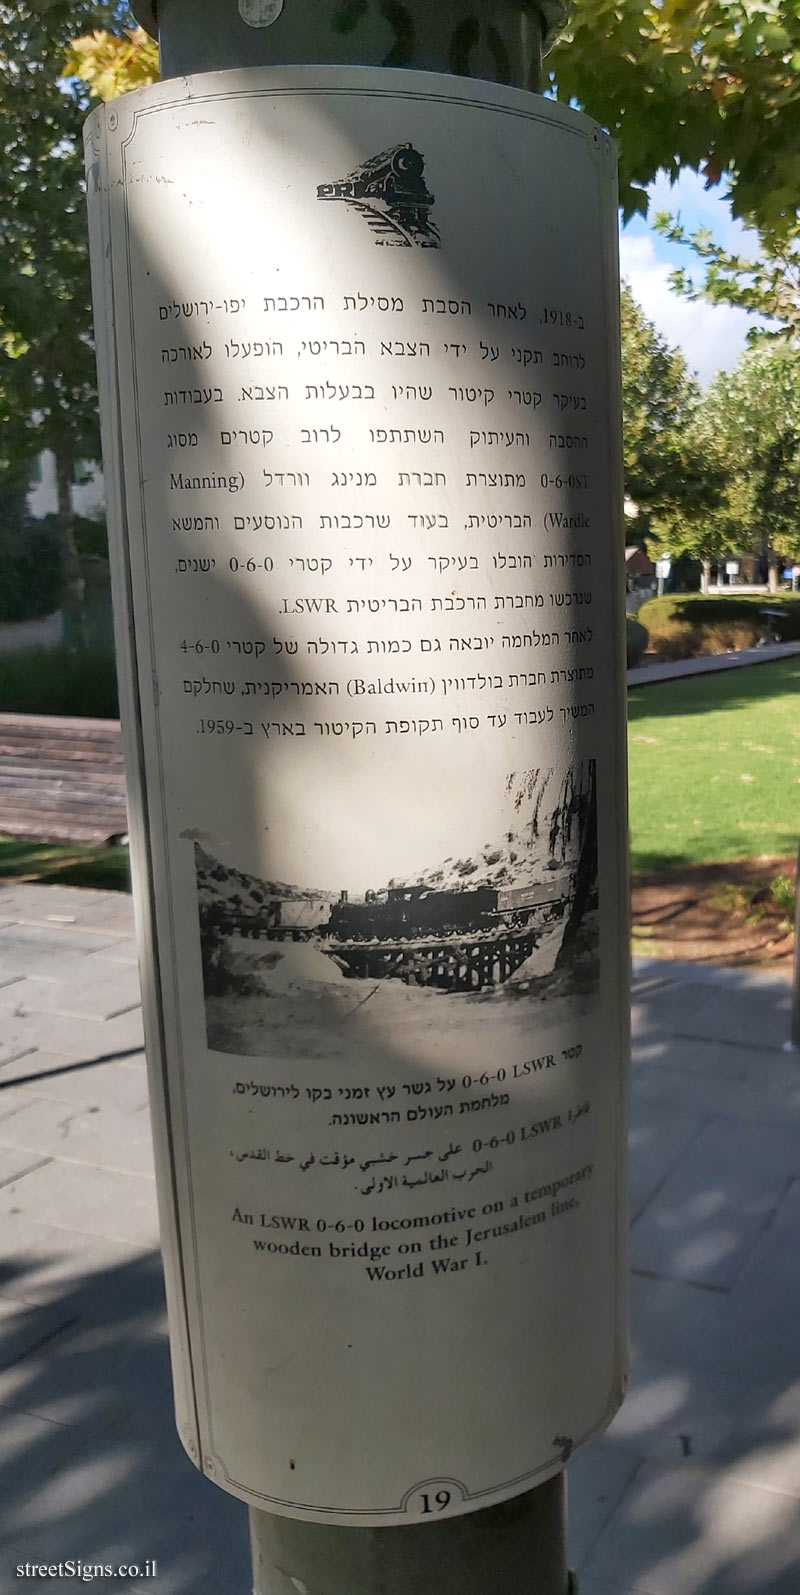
452 940
390 191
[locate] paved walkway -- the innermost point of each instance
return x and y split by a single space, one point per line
695 1490
648 675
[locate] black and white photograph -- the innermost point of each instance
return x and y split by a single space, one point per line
518 920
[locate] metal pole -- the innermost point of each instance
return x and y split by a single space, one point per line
519 1547
501 42
793 1044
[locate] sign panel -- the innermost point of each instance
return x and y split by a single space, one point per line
358 349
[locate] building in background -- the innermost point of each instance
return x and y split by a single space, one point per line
88 488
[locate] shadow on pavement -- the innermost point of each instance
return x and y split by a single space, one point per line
91 1468
694 1490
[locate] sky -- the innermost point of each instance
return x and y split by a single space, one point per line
711 336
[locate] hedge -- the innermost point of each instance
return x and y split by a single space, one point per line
636 641
684 626
31 567
59 681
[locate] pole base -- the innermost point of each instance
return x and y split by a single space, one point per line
517 1548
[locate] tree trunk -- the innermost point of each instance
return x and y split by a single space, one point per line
72 590
705 579
773 574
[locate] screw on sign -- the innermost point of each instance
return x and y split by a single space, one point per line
260 13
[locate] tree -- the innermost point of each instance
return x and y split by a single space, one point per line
768 285
114 63
753 415
47 369
716 530
705 84
668 471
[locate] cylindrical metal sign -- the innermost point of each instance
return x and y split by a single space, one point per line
359 357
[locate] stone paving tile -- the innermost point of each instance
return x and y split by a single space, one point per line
58 964
121 952
107 1478
676 1323
750 1334
79 1081
683 1531
748 1099
90 1273
41 1265
768 1429
781 1077
135 1059
736 1016
704 1220
98 1135
596 1483
123 1506
113 1371
73 1039
8 899
715 1374
703 1058
658 1014
757 1337
15 1161
677 971
13 1097
22 1439
13 1046
73 1196
21 940
729 1146
674 1414
84 996
41 904
27 1331
656 1140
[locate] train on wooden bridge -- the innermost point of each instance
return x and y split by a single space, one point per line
452 940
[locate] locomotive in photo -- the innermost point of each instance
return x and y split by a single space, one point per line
453 940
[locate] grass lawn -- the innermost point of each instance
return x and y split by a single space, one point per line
715 767
65 864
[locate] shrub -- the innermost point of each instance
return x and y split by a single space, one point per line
683 627
31 572
783 893
90 533
91 536
636 638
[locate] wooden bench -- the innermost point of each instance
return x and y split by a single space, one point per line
61 780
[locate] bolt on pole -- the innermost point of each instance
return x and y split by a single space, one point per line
495 944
